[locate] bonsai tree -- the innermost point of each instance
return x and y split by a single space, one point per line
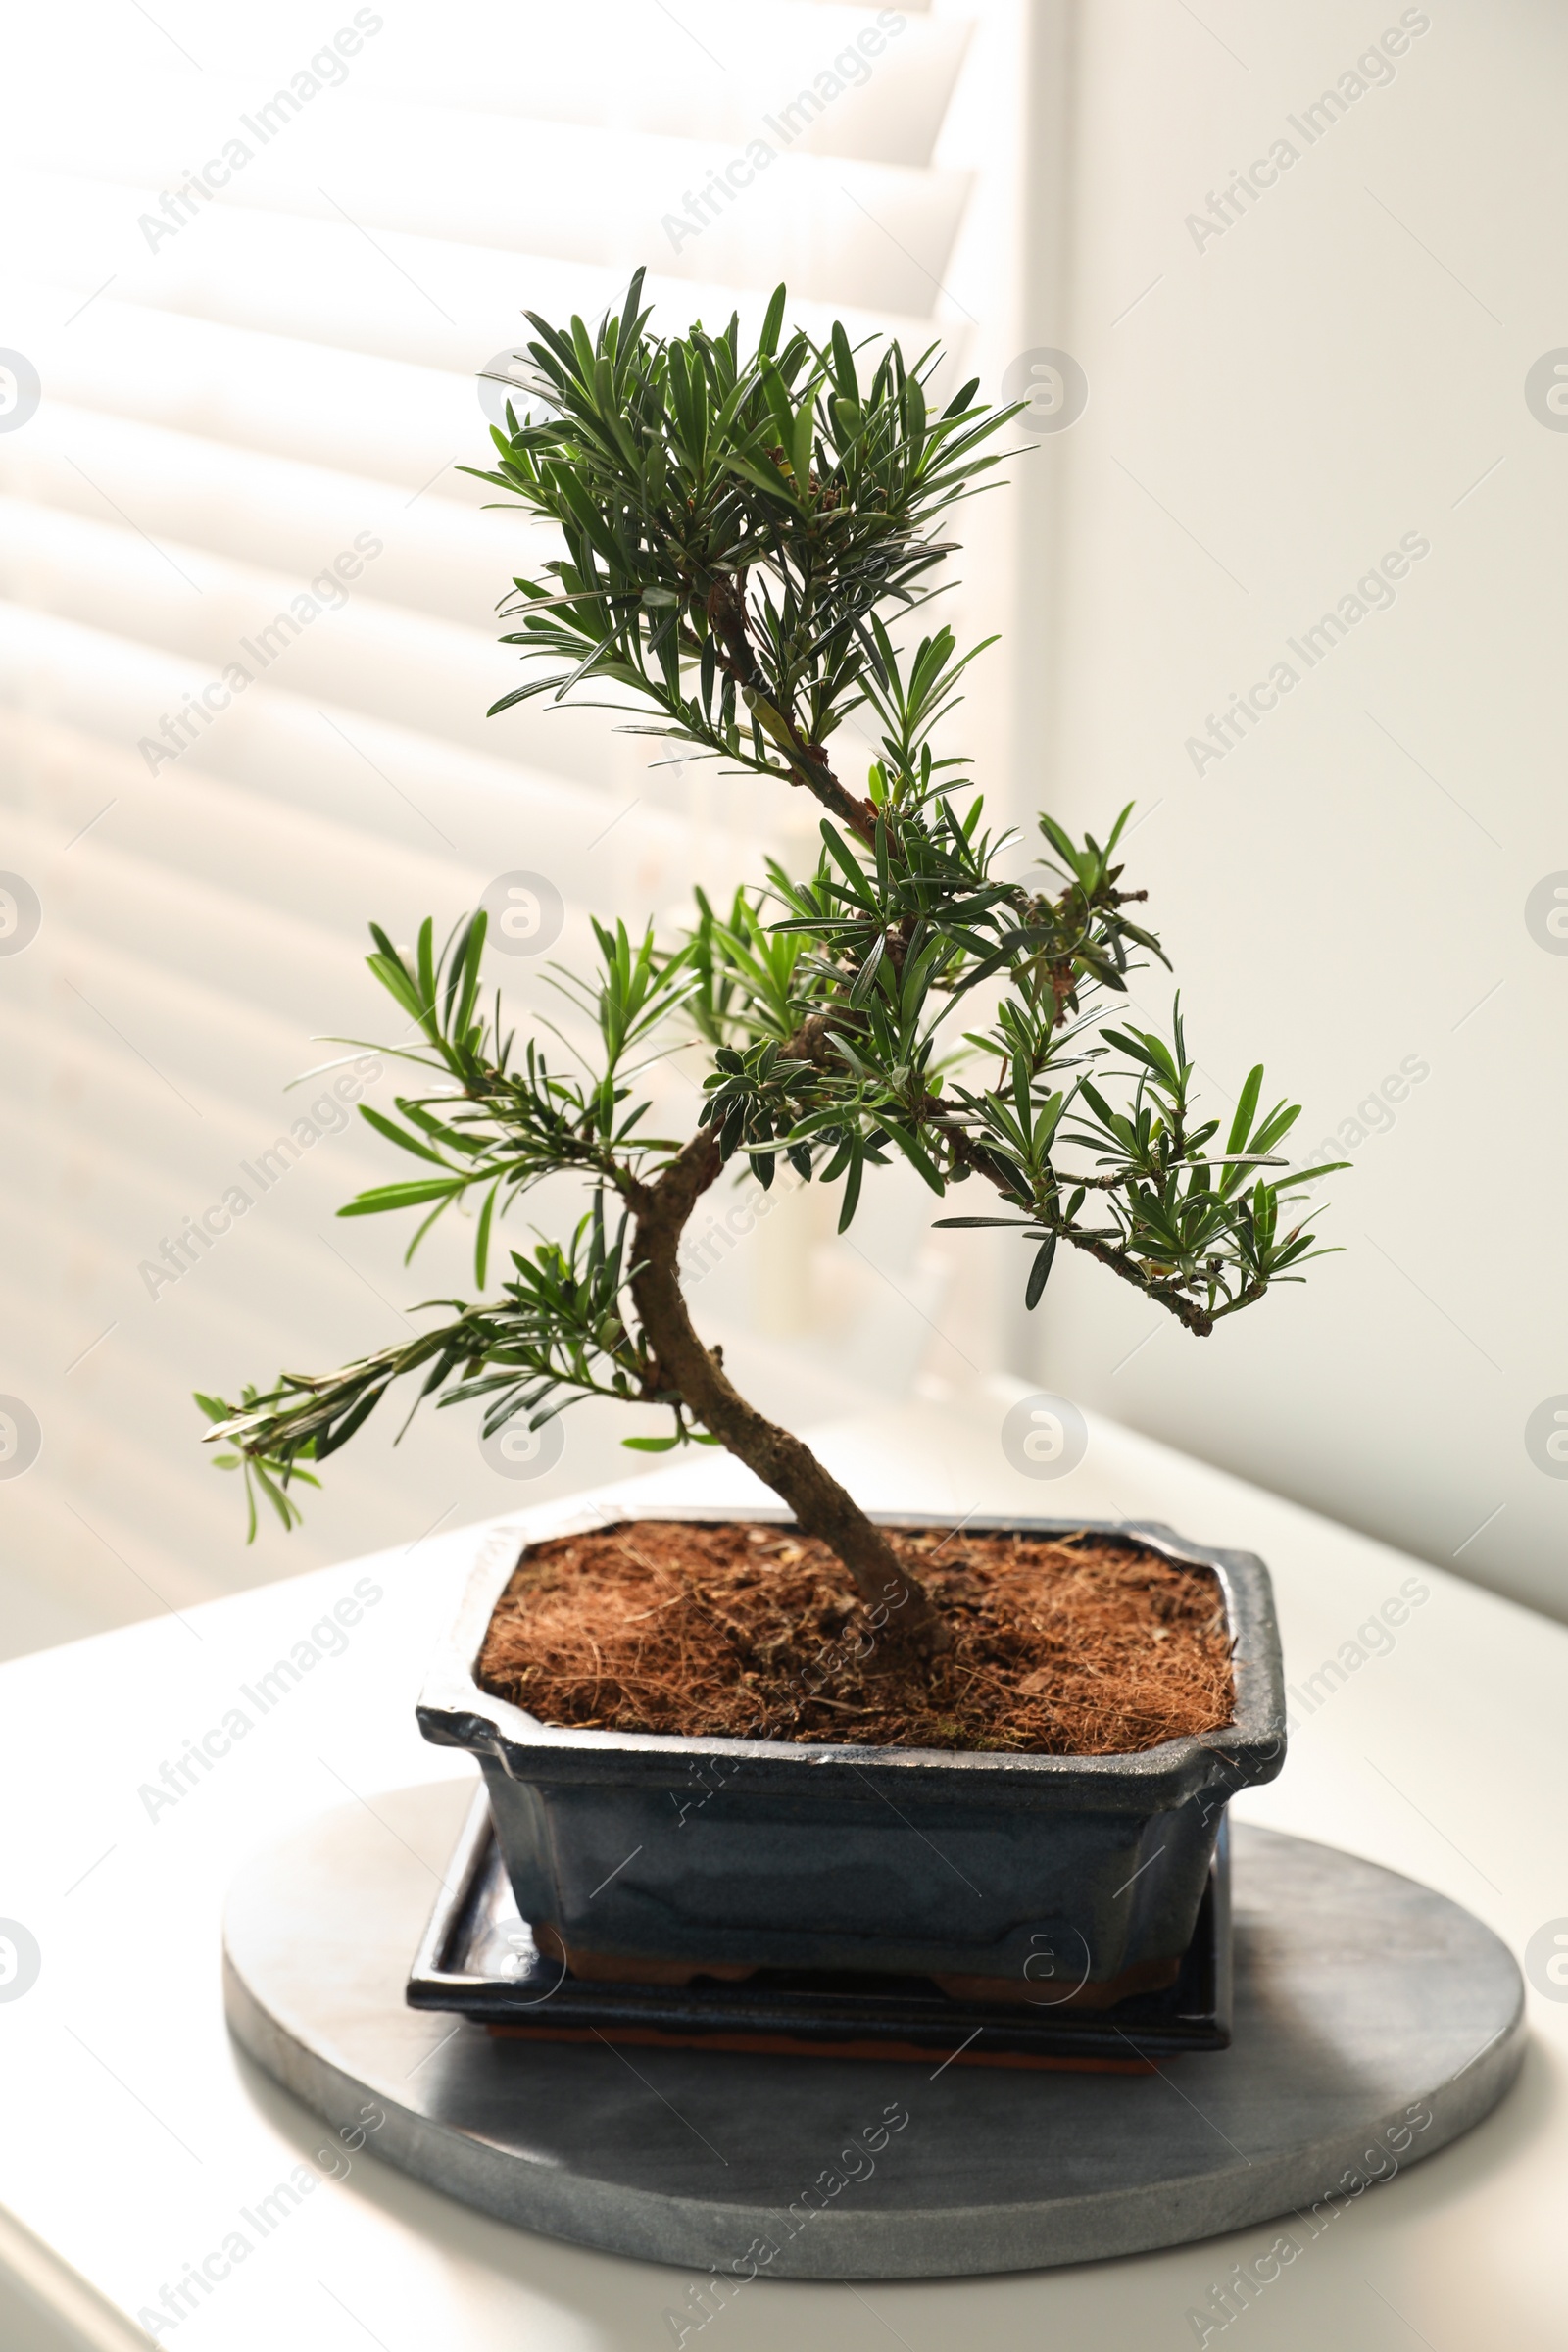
746 535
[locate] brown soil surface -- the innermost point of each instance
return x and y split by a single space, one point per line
1065 1646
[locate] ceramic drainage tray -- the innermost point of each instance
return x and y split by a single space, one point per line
479 1959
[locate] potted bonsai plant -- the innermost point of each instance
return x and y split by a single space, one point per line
1055 1714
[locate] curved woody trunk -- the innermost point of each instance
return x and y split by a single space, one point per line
899 1607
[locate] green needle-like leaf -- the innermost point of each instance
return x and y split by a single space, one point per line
742 542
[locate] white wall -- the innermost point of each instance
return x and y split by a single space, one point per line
1342 894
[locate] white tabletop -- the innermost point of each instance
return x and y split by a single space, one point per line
134 2134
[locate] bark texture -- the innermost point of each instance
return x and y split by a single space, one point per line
900 1607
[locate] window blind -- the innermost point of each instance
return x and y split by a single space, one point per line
247 641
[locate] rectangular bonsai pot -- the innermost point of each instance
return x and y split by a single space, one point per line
1047 1878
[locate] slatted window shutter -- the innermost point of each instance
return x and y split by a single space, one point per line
247 642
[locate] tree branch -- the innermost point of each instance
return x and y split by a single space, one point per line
1165 1293
823 1508
728 620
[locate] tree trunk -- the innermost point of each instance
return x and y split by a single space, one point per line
900 1607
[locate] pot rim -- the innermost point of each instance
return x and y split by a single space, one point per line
455 1711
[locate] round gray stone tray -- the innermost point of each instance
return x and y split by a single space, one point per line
1374 2022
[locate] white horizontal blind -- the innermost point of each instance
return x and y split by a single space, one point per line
256 268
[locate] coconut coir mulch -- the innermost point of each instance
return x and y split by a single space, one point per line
1061 1646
